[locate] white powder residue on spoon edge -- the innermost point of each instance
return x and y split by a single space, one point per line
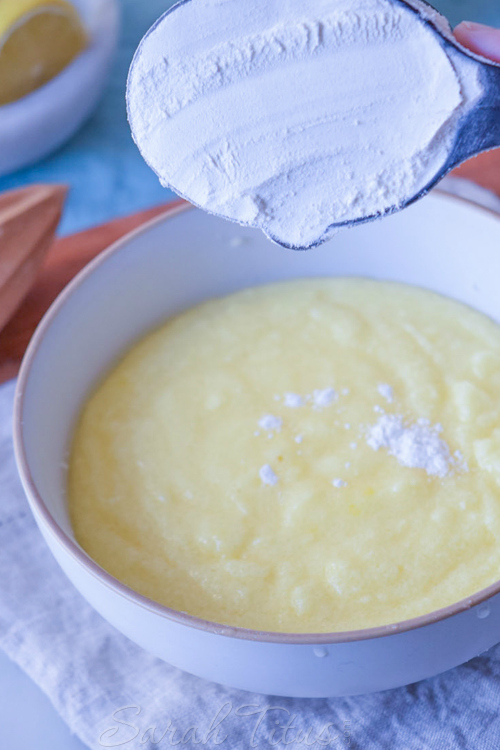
417 445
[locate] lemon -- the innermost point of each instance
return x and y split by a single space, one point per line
38 39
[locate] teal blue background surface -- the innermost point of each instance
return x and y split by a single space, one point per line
102 164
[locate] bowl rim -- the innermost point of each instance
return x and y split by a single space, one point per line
71 546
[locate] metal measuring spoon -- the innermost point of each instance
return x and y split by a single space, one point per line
478 129
167 103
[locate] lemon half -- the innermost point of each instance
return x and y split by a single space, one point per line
38 39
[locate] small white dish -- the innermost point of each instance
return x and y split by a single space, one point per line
40 122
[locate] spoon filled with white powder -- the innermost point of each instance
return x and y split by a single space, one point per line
301 118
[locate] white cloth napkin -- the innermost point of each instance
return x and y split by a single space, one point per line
113 694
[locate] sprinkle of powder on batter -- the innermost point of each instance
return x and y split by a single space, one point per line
347 426
461 462
417 446
353 446
269 422
324 397
299 438
387 392
294 400
267 475
339 483
345 391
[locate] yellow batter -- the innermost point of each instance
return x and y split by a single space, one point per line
224 467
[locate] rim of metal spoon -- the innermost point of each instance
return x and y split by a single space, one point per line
477 130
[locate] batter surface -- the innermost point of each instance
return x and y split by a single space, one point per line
311 456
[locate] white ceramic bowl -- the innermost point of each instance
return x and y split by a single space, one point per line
442 243
40 122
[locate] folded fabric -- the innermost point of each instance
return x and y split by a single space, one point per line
113 694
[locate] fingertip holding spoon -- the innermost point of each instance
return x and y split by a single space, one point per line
304 122
478 38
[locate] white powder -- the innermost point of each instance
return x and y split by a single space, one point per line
294 117
387 392
299 438
339 483
294 400
417 446
269 422
324 397
267 475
